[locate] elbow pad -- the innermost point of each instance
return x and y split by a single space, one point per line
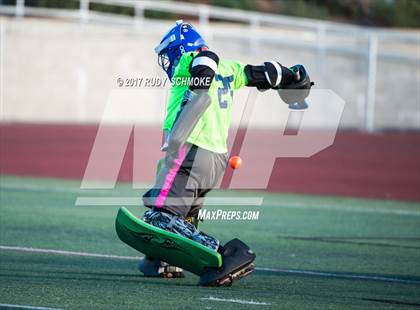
269 75
202 70
193 107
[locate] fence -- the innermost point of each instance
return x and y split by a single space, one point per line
371 50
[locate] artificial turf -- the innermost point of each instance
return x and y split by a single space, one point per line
327 252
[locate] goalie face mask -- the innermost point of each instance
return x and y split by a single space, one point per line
180 39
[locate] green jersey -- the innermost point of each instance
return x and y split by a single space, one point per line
211 131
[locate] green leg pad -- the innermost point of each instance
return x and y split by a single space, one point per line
164 245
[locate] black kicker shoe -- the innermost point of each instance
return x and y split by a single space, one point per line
237 260
155 268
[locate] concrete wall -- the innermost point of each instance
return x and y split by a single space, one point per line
58 71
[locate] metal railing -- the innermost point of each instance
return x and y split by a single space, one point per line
206 12
256 23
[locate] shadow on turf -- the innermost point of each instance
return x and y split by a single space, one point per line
392 302
92 276
137 278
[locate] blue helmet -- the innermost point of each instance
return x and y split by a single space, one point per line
180 39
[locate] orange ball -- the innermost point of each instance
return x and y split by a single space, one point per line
235 162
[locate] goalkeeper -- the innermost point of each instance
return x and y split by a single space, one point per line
196 128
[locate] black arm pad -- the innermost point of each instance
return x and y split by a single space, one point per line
202 69
256 77
270 75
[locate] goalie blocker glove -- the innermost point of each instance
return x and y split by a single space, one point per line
270 75
295 93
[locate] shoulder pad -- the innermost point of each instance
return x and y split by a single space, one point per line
207 59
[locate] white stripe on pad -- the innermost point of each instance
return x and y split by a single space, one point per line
204 61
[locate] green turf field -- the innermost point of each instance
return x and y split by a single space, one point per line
312 253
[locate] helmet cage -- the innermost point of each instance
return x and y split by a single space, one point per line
180 39
163 61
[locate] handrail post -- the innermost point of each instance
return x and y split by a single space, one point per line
139 13
203 21
203 16
371 83
321 50
254 25
2 62
20 8
84 11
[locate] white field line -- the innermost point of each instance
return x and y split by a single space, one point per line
59 189
26 307
217 201
136 201
338 275
67 253
125 201
274 270
237 301
351 208
37 188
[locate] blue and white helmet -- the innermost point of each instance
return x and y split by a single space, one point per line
183 37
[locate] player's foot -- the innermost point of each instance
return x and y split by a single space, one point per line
236 275
237 260
155 268
180 226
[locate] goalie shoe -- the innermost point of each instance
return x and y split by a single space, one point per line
231 262
237 263
164 245
154 268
